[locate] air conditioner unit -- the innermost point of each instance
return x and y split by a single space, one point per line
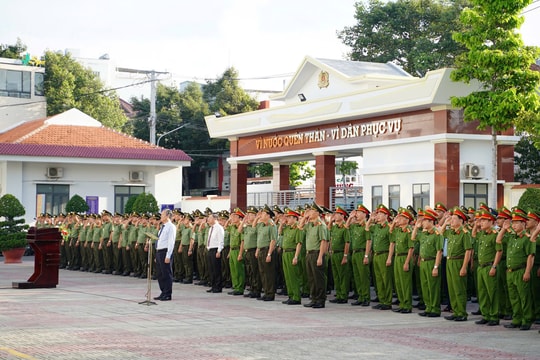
136 176
473 171
54 172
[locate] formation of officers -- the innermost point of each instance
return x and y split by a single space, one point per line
443 256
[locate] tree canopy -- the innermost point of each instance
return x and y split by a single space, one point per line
527 161
414 34
69 85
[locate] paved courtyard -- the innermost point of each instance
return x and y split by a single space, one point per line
95 316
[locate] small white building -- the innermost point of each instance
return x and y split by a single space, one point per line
45 162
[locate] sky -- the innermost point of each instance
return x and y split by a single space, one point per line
195 39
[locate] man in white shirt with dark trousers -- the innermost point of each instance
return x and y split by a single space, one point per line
216 235
165 246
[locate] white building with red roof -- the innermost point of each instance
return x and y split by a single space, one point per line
45 162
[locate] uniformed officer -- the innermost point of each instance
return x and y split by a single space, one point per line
316 247
340 240
489 257
519 262
402 246
459 253
236 253
266 245
250 247
430 257
291 246
382 257
360 258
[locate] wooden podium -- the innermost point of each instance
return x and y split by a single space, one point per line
46 246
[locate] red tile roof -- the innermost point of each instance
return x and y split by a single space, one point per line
38 138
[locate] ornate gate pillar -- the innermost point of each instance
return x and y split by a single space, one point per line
325 177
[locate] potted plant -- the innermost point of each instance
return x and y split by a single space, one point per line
12 231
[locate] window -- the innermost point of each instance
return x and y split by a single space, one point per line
420 196
474 194
122 195
376 196
15 83
393 196
39 78
51 199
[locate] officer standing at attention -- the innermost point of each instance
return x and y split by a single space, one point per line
164 253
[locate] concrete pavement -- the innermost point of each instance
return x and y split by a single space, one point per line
96 316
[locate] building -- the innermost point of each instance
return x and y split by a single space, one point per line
416 148
45 162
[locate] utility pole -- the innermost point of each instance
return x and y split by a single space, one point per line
153 86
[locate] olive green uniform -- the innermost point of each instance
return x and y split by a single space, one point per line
488 293
430 244
361 273
339 236
315 235
403 279
250 246
380 238
290 238
238 275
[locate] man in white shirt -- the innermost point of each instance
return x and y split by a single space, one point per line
165 246
216 235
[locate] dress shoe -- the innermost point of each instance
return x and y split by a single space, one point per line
166 298
511 326
365 303
433 315
376 307
507 317
248 294
255 295
216 291
525 327
421 306
450 317
304 295
385 307
294 302
318 306
481 322
268 298
353 297
333 301
187 282
261 298
286 302
493 323
342 301
309 304
158 297
238 293
476 312
210 290
460 318
423 314
356 303
396 310
406 311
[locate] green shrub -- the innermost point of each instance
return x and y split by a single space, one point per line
530 200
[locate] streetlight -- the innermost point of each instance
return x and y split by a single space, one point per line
168 132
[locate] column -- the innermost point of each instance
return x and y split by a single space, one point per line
446 174
325 177
238 184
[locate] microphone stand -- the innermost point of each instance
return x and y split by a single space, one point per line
148 300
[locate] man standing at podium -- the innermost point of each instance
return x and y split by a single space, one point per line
165 246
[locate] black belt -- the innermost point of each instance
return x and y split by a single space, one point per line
212 249
516 268
358 250
161 250
251 249
235 247
381 252
402 254
456 257
263 248
289 250
312 251
485 264
427 259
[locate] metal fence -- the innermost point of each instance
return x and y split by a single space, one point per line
347 199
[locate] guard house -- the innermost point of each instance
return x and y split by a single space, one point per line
416 148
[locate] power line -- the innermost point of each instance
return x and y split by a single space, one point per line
529 10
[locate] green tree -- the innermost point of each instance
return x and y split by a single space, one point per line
69 85
12 51
145 203
527 160
128 207
530 200
498 59
414 34
77 205
10 209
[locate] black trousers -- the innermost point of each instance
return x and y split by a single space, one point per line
215 270
164 273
